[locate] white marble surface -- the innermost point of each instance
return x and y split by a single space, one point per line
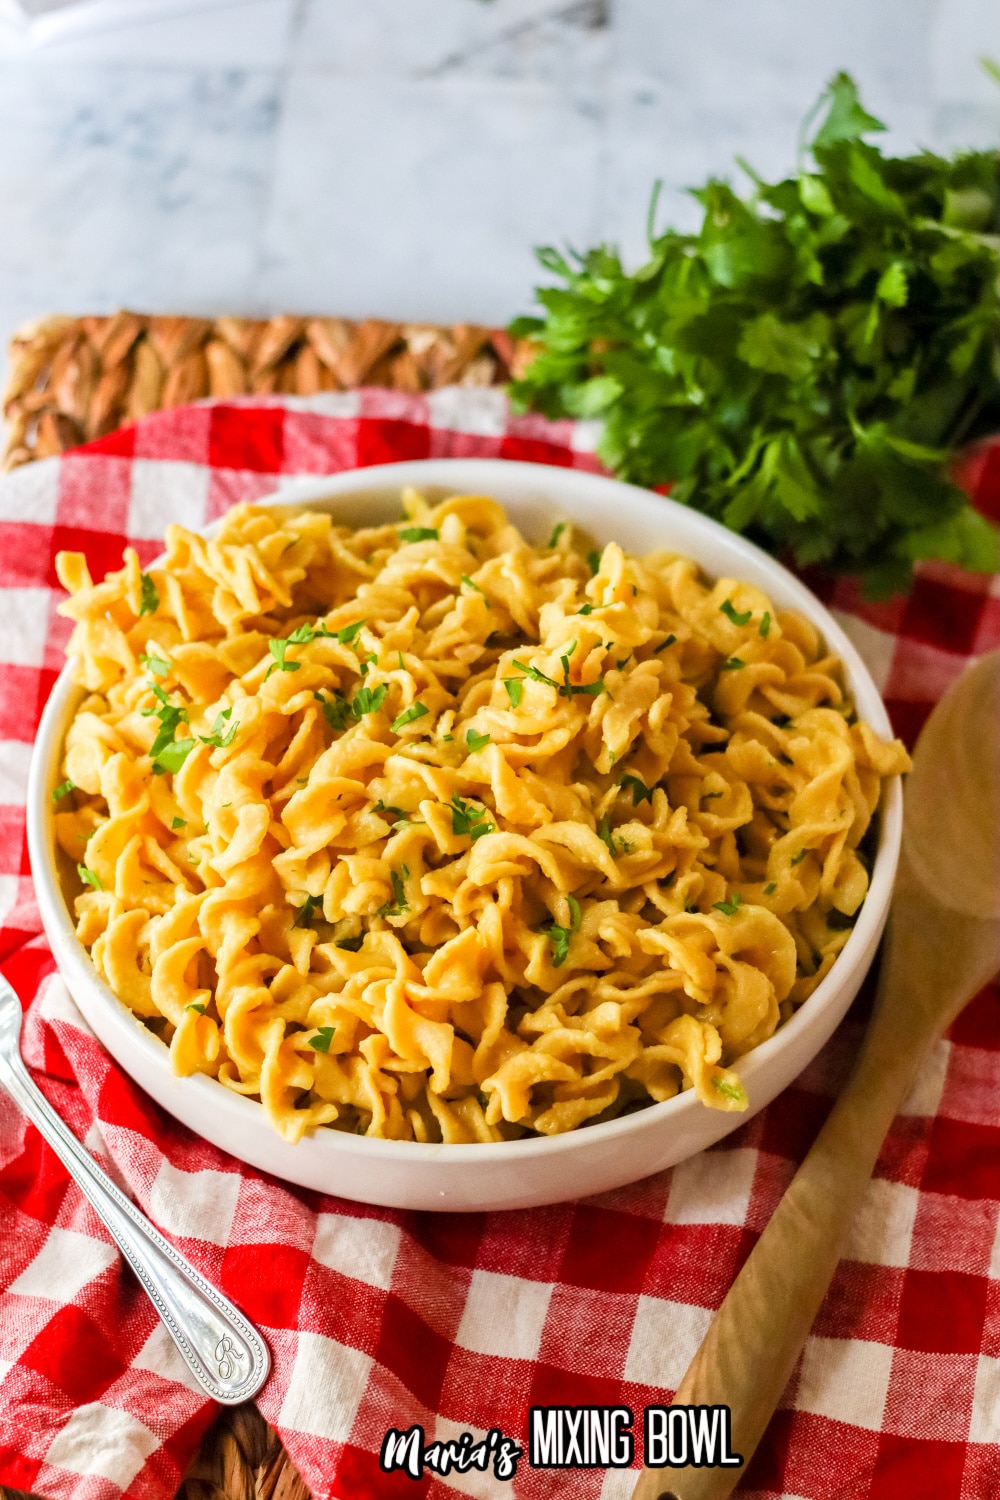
403 156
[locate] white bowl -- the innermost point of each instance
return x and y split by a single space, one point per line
515 1174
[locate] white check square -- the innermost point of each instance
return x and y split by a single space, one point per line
325 1391
198 1205
846 1380
103 1442
713 1187
64 1265
882 1231
363 1248
665 1336
504 1315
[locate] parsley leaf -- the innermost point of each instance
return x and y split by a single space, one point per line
368 700
535 674
349 634
515 690
63 791
399 904
324 1034
198 1006
149 601
277 650
728 609
585 609
351 944
728 908
664 644
799 857
303 917
731 1090
171 757
408 716
466 819
158 665
418 534
90 877
178 823
594 561
559 936
732 665
640 791
476 741
219 735
469 583
557 532
764 628
770 889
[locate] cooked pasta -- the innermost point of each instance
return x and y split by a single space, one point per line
424 832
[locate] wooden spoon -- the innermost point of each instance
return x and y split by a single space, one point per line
942 946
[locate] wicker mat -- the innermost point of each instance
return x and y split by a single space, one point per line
73 379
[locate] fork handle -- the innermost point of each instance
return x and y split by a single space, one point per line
223 1351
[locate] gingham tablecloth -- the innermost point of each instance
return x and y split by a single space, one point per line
378 1318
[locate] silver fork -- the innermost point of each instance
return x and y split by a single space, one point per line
223 1351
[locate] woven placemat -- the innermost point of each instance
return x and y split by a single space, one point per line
73 379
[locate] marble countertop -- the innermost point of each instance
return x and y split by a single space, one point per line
401 157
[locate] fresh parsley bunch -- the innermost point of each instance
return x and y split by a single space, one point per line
805 366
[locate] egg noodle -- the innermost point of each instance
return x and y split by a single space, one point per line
423 832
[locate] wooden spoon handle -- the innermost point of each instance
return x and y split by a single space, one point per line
751 1347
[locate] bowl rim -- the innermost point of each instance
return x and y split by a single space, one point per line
460 475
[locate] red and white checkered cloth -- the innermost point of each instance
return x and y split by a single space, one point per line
378 1318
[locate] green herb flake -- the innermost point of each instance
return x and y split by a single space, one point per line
158 665
466 819
219 736
732 665
799 857
476 741
664 644
605 836
399 904
277 649
171 757
585 609
764 629
770 888
350 944
535 674
89 877
178 823
557 532
594 562
731 1090
515 690
368 700
320 1042
559 936
418 534
149 601
728 908
469 584
640 791
303 917
728 609
63 791
409 716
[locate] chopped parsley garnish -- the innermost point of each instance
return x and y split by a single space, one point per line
349 633
336 710
732 665
728 908
277 650
728 609
559 936
399 903
418 534
594 561
158 665
476 741
557 532
149 601
515 690
198 1006
585 609
90 877
466 819
166 753
178 823
604 834
770 889
731 1090
535 674
664 644
800 857
640 791
172 756
219 735
397 812
63 791
408 716
368 700
303 917
469 583
764 628
321 1041
350 944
